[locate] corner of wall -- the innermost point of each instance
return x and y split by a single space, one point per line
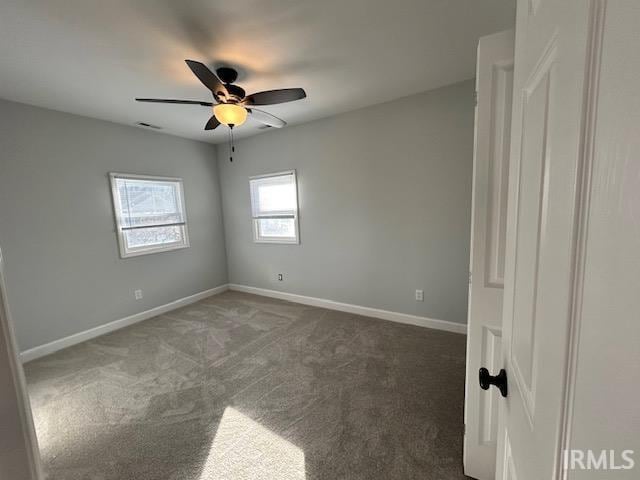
218 155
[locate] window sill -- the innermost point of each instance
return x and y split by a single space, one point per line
277 241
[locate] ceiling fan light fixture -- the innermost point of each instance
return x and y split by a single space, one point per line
230 114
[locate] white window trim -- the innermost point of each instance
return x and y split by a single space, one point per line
117 207
256 237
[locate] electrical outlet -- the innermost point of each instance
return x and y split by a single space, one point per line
280 277
419 295
137 294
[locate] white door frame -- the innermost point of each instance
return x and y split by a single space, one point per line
585 169
602 374
21 457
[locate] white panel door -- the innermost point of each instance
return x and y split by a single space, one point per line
551 57
494 89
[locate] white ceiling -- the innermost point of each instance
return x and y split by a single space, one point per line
93 57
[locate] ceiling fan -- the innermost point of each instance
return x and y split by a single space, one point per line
231 104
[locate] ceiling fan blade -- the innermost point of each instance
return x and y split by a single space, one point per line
271 97
212 124
266 118
181 102
208 78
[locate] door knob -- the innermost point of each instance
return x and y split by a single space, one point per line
500 380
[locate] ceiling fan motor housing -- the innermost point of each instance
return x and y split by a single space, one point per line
227 74
235 92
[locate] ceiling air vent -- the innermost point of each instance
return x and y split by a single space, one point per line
264 127
148 125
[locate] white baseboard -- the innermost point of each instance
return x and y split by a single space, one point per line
51 347
76 338
356 309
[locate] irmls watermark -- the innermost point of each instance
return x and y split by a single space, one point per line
598 460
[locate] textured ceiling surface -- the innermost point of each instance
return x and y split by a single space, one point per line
93 58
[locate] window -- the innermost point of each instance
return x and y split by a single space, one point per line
150 214
274 208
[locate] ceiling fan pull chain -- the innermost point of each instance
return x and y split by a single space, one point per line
232 146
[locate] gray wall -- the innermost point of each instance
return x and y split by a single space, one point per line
385 202
64 274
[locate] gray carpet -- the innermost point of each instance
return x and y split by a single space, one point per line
242 387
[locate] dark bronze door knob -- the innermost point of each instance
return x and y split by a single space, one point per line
500 380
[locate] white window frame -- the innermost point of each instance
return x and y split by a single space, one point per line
125 251
257 238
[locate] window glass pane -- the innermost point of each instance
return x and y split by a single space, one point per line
147 202
277 227
273 195
276 198
154 236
